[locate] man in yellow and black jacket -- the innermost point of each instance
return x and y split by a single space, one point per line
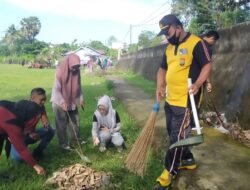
186 56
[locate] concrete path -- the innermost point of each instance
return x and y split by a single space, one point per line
222 163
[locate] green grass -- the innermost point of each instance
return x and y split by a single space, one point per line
15 84
139 81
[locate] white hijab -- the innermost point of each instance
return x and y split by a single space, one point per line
109 119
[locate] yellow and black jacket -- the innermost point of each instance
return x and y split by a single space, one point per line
182 62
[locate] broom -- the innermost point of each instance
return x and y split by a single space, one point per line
80 151
136 160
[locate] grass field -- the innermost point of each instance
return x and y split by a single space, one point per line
15 84
138 81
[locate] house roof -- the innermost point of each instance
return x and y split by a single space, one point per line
86 51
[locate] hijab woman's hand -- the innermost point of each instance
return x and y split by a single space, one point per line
82 104
96 141
64 106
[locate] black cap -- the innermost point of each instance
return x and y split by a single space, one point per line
166 22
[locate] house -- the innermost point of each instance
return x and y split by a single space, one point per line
85 53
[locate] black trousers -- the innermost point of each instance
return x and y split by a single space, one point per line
178 127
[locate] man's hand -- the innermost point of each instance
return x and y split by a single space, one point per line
209 87
161 84
160 94
34 136
96 141
193 89
46 126
39 170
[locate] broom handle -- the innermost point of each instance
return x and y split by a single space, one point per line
195 115
77 140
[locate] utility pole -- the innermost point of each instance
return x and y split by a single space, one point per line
130 34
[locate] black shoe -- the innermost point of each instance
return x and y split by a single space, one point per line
188 164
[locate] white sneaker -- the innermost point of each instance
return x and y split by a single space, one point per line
119 149
65 147
83 142
102 148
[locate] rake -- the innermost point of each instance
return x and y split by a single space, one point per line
80 151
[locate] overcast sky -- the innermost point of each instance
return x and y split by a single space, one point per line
85 20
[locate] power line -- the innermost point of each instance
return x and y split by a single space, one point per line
155 23
150 24
146 21
150 17
153 18
125 36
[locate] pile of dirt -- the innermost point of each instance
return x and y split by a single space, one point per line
234 130
237 133
78 177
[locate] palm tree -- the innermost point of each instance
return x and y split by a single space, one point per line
11 35
30 27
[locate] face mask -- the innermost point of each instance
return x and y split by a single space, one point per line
174 40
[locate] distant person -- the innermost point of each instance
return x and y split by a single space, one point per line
17 118
99 62
56 62
109 62
106 125
90 64
210 39
105 63
66 95
32 135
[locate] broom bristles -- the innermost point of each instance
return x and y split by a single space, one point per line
137 158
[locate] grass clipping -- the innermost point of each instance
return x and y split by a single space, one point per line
137 158
79 177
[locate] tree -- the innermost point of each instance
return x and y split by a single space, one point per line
62 48
202 15
74 45
145 39
11 35
231 12
4 50
184 9
203 20
33 49
132 48
113 53
30 27
156 41
111 39
98 46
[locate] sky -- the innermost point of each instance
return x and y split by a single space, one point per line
86 20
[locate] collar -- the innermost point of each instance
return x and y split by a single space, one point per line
186 37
